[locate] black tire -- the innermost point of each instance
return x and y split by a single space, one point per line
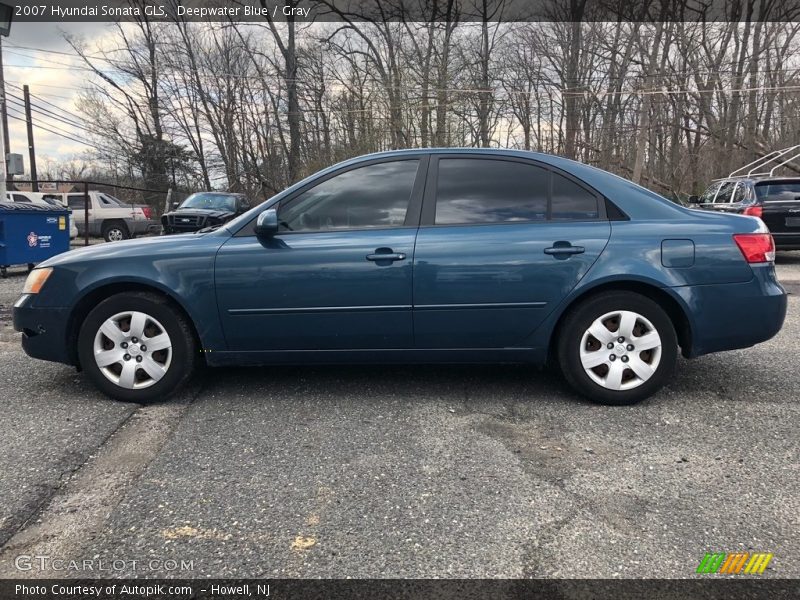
114 231
184 351
576 325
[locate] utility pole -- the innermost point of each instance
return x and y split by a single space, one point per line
31 151
4 127
6 15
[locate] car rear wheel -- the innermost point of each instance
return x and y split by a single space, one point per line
617 348
137 347
115 232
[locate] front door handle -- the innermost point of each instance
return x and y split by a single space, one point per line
564 248
385 255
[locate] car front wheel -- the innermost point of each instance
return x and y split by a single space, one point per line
137 347
617 348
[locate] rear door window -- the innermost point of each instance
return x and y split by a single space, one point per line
473 190
708 196
485 191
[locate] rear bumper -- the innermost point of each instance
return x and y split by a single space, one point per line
137 227
786 241
735 315
44 331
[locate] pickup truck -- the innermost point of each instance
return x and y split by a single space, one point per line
109 217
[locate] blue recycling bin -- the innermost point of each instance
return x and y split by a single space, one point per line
30 234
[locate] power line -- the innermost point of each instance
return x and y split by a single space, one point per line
44 112
63 132
56 106
63 135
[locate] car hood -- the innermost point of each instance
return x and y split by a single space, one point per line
145 247
202 212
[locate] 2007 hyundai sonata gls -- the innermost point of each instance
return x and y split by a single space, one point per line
419 256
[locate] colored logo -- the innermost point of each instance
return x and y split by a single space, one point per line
735 563
32 239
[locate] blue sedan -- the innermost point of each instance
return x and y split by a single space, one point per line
432 255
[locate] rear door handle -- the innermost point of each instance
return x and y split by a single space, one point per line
561 248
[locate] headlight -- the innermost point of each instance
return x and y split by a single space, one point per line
36 280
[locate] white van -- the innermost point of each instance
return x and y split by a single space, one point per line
34 198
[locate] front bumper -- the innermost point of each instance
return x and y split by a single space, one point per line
735 315
44 331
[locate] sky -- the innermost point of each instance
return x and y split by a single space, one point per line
54 81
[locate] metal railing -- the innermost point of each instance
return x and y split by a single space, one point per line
768 159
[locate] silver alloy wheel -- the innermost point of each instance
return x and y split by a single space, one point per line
620 350
115 234
132 350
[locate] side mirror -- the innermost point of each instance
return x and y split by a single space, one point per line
175 205
267 223
693 199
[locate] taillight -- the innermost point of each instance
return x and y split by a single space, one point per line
148 212
756 247
753 211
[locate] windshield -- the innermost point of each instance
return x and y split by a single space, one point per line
210 201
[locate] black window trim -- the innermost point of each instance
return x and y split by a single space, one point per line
429 201
413 213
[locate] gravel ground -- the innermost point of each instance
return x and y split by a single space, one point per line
413 471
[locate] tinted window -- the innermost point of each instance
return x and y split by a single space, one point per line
778 192
22 198
708 196
110 200
490 191
372 196
571 201
725 193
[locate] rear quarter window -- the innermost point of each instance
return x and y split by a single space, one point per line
571 201
76 201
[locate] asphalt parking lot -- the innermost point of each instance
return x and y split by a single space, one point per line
402 471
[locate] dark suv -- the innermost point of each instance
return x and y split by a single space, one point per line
756 190
204 209
776 200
